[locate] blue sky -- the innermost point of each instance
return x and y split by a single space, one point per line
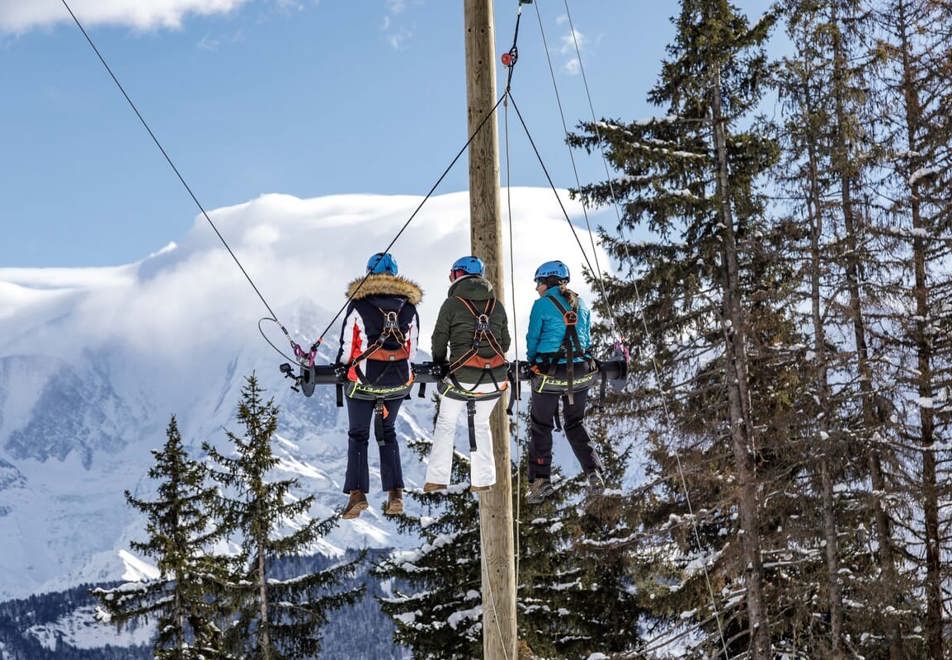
257 96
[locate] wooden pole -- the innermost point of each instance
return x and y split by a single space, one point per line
495 510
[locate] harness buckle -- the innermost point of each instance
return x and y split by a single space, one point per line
390 321
570 318
482 323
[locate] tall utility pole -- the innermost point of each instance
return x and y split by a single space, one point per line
495 507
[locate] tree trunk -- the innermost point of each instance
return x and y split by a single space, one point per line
736 373
823 393
264 635
923 341
883 534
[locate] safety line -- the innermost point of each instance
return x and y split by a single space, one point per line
515 333
168 159
644 322
578 182
415 212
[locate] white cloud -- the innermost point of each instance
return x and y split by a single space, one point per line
572 66
172 305
562 18
23 15
209 43
569 40
396 6
399 39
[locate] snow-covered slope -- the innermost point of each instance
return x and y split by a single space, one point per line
93 361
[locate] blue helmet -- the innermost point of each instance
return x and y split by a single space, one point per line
469 265
382 263
552 269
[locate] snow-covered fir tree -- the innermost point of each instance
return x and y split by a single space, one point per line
721 385
436 598
272 618
180 531
912 216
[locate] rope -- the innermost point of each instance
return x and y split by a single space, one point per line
515 328
168 159
578 183
413 215
657 370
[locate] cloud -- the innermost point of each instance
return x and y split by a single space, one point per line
572 66
190 297
399 39
23 15
396 35
209 43
569 40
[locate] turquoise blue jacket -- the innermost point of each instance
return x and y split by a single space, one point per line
546 328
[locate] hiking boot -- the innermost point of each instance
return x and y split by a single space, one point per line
479 489
430 487
394 505
539 489
356 504
595 485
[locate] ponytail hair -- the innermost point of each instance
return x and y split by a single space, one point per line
564 289
568 294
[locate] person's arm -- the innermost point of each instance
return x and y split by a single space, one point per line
584 329
440 339
413 335
534 333
505 340
351 330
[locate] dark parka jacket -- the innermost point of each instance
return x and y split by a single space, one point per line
455 326
364 322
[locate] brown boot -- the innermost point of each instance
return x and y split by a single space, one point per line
356 504
394 506
430 487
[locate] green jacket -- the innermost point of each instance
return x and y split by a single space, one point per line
455 326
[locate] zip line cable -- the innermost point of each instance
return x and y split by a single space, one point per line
517 521
413 215
299 353
578 183
640 300
171 164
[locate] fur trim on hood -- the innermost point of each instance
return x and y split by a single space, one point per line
385 285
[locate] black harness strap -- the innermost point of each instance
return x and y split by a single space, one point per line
471 423
380 412
570 343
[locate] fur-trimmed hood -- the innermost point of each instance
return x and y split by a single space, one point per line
385 285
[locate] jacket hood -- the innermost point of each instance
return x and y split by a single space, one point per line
385 285
472 288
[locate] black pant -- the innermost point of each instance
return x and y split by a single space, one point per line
361 415
542 410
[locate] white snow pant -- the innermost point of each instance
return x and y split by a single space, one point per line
482 464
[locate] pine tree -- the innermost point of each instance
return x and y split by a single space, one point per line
436 599
573 600
913 75
180 532
578 595
720 377
274 619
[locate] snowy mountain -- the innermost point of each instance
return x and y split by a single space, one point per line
93 361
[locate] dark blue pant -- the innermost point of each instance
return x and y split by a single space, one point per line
361 415
542 411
